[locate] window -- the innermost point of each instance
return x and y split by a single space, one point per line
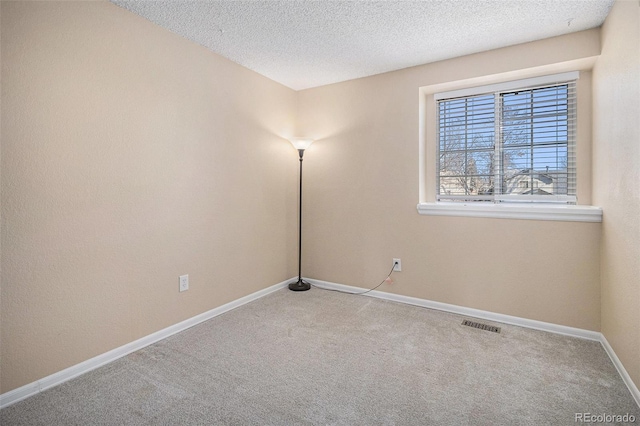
514 144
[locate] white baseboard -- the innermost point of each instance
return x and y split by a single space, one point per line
461 310
55 379
491 316
621 370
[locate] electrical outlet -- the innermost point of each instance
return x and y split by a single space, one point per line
397 265
184 282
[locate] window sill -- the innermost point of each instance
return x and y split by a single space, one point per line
568 213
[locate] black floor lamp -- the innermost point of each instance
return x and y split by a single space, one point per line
300 144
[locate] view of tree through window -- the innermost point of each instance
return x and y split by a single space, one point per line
509 145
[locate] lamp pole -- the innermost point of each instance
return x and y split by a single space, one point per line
300 285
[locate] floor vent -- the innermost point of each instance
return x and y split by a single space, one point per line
481 326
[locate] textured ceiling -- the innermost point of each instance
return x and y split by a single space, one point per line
306 43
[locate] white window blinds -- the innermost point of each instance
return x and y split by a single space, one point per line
513 145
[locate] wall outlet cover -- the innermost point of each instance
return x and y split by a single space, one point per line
397 265
184 282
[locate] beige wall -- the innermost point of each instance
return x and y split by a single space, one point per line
130 156
363 184
616 133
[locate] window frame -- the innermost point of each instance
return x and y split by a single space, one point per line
490 101
526 211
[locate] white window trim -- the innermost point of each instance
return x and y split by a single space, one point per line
527 211
555 212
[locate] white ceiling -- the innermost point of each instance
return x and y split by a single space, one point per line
307 43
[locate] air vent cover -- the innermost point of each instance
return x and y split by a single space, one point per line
481 326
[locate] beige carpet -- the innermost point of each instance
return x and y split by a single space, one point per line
321 358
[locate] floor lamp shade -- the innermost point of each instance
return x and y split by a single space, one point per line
300 285
301 143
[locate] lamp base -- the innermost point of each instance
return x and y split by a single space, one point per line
300 285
